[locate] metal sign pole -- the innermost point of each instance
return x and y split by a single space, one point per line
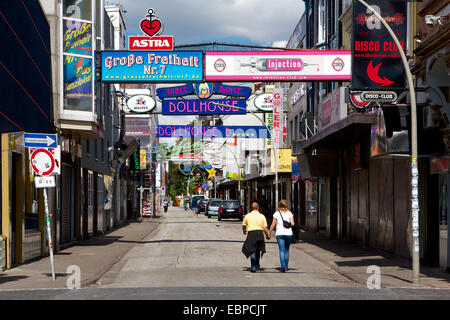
49 233
414 151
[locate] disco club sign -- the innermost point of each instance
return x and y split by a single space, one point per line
376 61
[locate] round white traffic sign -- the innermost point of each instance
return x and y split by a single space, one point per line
42 162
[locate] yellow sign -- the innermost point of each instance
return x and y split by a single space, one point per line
142 162
234 176
284 160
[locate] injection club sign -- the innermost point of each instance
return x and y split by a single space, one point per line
376 61
152 27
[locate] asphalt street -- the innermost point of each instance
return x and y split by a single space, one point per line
196 258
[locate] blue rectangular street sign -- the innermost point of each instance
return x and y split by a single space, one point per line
40 140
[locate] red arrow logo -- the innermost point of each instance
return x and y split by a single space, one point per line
372 72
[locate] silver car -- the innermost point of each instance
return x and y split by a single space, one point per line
213 207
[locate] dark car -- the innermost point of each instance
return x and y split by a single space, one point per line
202 205
230 209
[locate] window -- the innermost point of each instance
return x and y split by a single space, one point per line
322 23
292 130
347 4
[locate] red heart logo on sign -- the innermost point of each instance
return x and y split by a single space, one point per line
151 28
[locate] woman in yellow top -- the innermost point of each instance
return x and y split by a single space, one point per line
254 225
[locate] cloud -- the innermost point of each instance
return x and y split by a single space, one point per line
194 21
279 44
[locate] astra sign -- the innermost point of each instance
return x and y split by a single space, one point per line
205 107
176 131
146 43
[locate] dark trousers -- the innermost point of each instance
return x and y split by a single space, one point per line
254 259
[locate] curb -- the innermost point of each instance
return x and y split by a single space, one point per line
354 279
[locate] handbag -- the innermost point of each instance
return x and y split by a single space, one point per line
286 224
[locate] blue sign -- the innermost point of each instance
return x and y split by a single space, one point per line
195 107
175 91
234 91
176 131
39 140
152 66
205 166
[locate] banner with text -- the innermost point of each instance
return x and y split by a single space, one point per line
204 107
311 65
176 131
163 66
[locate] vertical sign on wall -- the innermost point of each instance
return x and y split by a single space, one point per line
277 129
77 55
376 61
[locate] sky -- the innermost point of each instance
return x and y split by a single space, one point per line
252 22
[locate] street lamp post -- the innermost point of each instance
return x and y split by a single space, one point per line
414 152
274 149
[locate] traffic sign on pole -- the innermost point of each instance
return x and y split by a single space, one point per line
45 161
40 140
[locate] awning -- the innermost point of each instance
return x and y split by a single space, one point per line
317 156
339 135
129 144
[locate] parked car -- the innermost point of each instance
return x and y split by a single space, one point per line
213 207
230 209
202 205
206 205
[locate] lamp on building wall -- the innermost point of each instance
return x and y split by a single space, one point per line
418 37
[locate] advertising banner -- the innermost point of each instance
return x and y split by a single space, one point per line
148 66
176 131
146 43
77 37
264 102
78 80
310 65
284 162
376 62
203 107
296 173
77 65
277 138
142 159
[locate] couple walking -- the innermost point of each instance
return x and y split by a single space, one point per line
254 226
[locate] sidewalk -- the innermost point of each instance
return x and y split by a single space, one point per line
351 260
94 256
